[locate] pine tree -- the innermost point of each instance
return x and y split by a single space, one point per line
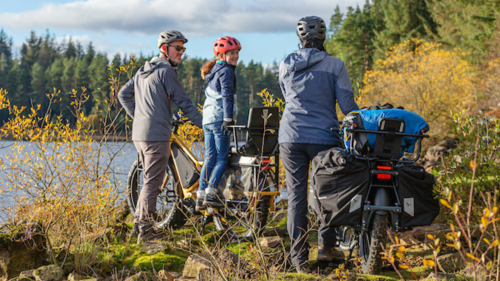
38 85
90 53
467 24
70 49
5 44
352 41
54 74
242 92
4 68
15 85
403 20
99 75
48 51
68 82
336 21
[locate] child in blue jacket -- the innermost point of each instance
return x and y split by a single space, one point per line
218 113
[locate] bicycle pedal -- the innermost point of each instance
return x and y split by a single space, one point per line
211 210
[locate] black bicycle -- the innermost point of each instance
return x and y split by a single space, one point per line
375 190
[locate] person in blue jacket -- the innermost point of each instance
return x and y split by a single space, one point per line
312 83
218 113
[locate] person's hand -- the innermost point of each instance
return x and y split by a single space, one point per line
224 127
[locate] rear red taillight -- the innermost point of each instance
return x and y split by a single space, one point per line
384 168
384 176
265 164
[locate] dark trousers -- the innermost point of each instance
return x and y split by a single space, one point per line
296 158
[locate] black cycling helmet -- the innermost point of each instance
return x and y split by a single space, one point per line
169 36
310 28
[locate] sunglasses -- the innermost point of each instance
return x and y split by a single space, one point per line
178 48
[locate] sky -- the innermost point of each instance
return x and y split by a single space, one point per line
265 28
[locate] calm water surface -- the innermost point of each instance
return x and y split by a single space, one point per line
123 155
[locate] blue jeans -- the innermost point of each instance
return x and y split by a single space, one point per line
216 155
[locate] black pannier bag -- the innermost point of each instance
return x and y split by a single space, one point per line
339 187
415 190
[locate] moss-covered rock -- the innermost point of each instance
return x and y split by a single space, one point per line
142 276
21 248
21 279
159 261
48 273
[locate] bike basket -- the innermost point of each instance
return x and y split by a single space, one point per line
338 191
415 190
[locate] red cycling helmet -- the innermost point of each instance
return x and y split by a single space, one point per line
226 43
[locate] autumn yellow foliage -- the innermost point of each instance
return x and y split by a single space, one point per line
491 78
425 79
56 174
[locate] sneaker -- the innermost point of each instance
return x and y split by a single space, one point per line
327 253
199 204
135 232
304 268
214 201
150 235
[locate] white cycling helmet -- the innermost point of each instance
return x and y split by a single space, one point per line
169 36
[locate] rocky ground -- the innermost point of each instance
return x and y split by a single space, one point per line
194 256
191 255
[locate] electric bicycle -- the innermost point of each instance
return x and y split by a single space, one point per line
386 203
250 184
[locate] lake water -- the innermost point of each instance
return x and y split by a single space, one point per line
123 155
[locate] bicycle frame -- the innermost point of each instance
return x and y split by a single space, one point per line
189 192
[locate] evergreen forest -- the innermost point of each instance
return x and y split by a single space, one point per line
45 67
360 37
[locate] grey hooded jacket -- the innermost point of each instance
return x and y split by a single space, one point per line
148 97
312 83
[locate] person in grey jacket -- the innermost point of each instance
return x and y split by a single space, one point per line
148 99
312 83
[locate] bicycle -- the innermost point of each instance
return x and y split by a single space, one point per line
377 198
249 184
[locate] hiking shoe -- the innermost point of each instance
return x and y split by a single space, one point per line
327 253
135 232
304 268
150 235
213 200
199 204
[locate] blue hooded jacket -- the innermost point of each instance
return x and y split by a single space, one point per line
312 83
220 94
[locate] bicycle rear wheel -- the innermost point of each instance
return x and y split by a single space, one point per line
370 244
171 211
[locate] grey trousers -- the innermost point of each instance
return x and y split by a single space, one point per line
154 157
296 158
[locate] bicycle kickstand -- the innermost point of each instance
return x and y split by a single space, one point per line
206 220
346 263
